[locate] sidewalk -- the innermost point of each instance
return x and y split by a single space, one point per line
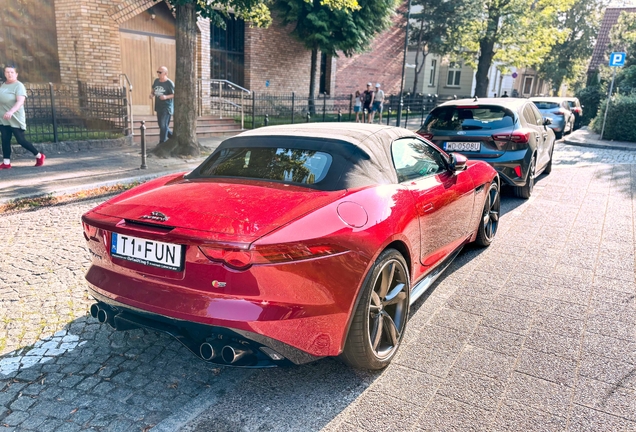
69 172
586 138
73 171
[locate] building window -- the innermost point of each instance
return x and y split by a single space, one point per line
454 75
227 48
527 85
431 80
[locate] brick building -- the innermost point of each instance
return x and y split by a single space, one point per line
105 42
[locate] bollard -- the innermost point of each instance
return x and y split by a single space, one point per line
388 117
143 145
308 116
339 115
364 115
266 121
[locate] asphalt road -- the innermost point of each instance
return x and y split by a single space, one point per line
537 332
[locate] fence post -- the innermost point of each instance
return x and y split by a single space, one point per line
424 107
406 119
143 144
266 121
350 105
308 116
324 106
339 115
293 103
53 113
253 109
388 117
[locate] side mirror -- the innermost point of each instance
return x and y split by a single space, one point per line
582 106
547 121
458 162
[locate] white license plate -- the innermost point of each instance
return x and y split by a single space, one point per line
147 252
462 146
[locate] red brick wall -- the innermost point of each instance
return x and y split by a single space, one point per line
273 54
381 64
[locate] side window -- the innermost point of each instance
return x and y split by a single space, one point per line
537 115
414 159
529 115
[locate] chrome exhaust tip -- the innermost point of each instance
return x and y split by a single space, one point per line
102 315
207 351
233 353
94 309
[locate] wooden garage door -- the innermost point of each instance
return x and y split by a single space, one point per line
141 55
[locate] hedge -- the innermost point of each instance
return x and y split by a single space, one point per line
590 97
621 119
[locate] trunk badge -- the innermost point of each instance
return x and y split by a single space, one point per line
217 284
155 216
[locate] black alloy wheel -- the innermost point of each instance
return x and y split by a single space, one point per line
490 217
381 315
526 190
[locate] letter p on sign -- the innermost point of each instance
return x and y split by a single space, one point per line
617 59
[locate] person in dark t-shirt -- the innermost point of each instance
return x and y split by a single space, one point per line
163 92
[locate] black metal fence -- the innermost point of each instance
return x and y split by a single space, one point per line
267 108
56 112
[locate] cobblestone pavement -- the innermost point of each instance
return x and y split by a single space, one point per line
537 332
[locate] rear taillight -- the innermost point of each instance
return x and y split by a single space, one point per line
428 136
241 259
577 110
518 136
89 231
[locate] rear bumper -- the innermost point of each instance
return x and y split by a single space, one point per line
262 351
506 163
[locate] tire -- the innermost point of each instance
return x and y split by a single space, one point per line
558 135
489 217
526 190
548 168
383 306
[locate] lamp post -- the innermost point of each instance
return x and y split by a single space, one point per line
406 45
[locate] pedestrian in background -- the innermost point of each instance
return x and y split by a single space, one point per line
367 101
13 120
505 94
163 92
378 102
357 105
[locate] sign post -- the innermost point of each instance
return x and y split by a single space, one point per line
617 59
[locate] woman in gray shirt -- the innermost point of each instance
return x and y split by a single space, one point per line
12 117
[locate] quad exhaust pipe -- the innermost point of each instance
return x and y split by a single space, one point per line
232 353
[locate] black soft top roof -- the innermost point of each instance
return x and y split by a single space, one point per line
361 152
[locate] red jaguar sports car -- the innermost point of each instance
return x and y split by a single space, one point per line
290 243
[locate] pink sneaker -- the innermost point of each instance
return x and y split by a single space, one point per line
40 161
5 166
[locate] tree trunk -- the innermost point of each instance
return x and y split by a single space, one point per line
311 103
486 54
417 57
184 140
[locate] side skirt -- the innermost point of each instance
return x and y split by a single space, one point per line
428 280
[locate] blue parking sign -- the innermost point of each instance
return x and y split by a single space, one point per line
617 59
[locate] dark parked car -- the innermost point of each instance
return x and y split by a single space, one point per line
577 110
508 133
558 111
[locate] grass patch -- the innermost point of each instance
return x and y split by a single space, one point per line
29 204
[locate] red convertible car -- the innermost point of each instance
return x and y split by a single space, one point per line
290 243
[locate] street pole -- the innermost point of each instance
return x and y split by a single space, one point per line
608 101
406 45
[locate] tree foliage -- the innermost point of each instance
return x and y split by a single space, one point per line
623 37
514 32
435 26
334 26
579 24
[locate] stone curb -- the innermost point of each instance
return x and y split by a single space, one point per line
609 146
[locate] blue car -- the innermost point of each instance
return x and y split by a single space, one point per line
558 110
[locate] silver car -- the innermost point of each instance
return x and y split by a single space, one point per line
558 110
